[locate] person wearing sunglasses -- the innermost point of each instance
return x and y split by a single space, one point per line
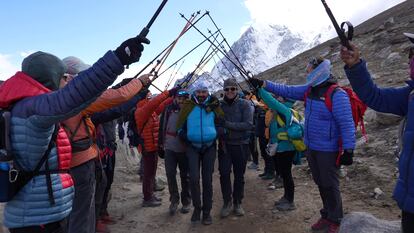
196 126
172 149
398 101
238 123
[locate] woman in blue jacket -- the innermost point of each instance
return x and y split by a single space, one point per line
324 132
397 101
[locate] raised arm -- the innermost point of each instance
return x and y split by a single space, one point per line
275 105
296 92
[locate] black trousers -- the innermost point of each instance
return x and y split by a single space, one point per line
109 172
407 222
235 157
268 160
253 149
172 160
284 161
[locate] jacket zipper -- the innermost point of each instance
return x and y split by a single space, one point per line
201 125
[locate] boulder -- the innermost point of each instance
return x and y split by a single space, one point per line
387 119
392 59
359 222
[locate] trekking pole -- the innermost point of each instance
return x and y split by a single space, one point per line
143 69
185 55
343 37
144 32
243 73
172 76
227 43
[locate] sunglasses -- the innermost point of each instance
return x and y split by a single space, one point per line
230 89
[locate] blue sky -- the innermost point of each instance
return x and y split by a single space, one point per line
88 28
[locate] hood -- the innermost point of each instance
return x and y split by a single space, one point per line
18 87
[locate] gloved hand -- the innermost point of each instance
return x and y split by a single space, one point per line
130 50
145 79
256 83
347 158
173 91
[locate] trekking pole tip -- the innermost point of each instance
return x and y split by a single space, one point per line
207 12
181 14
198 12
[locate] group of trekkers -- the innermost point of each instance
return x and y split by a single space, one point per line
62 134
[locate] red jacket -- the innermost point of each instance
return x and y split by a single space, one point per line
147 120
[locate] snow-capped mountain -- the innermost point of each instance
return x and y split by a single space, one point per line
264 46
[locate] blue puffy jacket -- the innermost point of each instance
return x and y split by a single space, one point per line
201 129
396 101
34 116
323 128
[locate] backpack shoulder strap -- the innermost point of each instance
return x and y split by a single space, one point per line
328 96
305 97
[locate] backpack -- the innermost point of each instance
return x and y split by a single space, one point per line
294 130
12 176
357 106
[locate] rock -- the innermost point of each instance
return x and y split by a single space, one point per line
377 193
392 59
359 222
370 115
387 119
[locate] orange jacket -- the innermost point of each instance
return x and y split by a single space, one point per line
147 120
109 99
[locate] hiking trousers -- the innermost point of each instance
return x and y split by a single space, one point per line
206 161
284 163
407 222
82 217
234 156
325 174
109 172
269 167
172 160
150 160
253 149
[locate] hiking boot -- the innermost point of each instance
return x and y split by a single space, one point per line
226 209
278 182
158 187
107 219
262 174
333 227
238 210
196 215
173 208
286 206
321 224
101 227
185 209
281 200
253 166
151 203
207 220
271 186
157 198
268 177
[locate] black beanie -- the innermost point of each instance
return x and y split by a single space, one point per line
45 68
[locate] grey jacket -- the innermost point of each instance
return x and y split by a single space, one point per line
238 121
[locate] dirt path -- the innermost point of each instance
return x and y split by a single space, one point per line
367 174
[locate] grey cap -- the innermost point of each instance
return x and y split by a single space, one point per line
45 68
231 82
75 65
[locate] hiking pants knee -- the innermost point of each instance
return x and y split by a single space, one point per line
235 156
253 149
269 167
284 163
172 160
407 222
206 160
101 182
109 172
82 217
325 174
150 160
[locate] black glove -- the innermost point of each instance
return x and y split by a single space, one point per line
347 158
130 50
256 83
173 91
